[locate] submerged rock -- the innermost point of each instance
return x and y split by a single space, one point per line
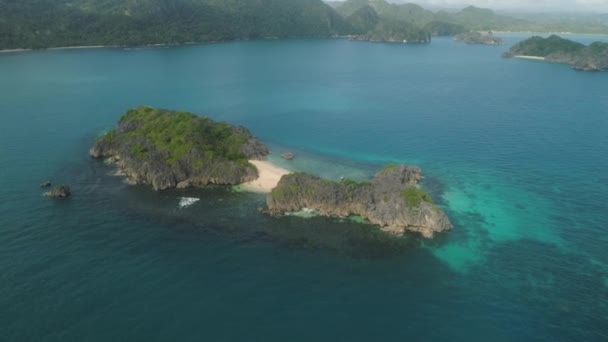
170 149
61 191
287 155
391 200
45 184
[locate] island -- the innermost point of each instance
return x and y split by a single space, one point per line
173 149
392 200
394 31
479 38
593 57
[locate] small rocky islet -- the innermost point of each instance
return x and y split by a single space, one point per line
392 200
174 149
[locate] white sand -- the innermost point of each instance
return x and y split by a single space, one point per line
14 50
270 175
530 57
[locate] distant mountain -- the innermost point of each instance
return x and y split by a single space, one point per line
363 20
411 13
377 20
49 23
483 19
394 31
442 23
442 28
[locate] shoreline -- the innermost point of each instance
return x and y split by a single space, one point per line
534 58
269 176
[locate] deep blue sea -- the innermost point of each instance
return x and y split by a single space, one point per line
515 151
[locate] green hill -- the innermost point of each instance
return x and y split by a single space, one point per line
363 20
556 49
51 23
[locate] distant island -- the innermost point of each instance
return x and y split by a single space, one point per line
174 149
391 200
556 49
479 38
40 24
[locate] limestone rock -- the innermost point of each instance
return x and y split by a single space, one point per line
391 200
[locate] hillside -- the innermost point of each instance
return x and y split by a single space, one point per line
442 23
52 23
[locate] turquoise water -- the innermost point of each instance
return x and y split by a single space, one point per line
515 151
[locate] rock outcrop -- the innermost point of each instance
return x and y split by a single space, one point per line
287 155
391 200
61 191
479 38
169 149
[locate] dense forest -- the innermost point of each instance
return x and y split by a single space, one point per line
53 23
49 23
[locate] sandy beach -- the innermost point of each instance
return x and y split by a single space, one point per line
530 57
14 50
270 175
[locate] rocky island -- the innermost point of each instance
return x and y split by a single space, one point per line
392 200
392 31
170 149
479 38
593 57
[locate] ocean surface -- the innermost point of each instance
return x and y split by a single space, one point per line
515 151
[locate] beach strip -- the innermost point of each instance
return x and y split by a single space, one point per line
269 176
536 58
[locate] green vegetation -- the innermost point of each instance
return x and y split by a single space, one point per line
388 168
53 23
353 183
414 196
557 49
363 20
543 47
441 28
479 38
397 31
177 135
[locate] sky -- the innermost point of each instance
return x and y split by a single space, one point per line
596 6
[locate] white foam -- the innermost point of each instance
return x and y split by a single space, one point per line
187 201
304 213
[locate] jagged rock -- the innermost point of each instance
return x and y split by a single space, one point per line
392 200
61 191
169 149
45 184
479 38
287 155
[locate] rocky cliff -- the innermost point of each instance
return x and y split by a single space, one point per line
170 149
392 200
479 38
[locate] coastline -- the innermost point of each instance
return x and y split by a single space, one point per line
535 58
14 50
83 47
269 176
